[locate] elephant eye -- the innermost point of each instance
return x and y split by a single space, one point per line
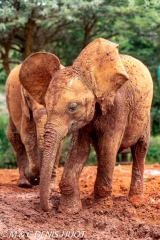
72 107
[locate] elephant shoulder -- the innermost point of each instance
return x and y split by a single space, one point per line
132 64
139 87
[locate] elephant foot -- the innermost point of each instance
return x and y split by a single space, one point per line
70 205
70 201
103 202
34 181
24 183
137 200
33 178
102 195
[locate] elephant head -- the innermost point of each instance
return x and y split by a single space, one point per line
71 94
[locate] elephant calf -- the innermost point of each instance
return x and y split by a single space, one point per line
104 99
26 123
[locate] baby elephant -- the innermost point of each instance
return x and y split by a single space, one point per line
26 123
103 99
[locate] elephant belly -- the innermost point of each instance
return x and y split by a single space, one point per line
134 132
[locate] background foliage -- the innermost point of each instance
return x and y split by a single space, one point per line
66 27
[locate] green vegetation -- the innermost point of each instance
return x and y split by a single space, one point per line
7 159
65 146
66 27
153 155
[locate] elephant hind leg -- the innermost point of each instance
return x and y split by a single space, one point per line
139 151
20 154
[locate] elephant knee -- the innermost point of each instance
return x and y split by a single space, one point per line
102 190
103 186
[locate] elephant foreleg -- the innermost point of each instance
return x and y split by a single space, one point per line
77 157
33 158
29 139
106 149
139 151
20 154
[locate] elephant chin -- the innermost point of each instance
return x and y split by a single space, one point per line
52 139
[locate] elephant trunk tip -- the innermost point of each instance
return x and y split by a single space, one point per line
45 203
46 207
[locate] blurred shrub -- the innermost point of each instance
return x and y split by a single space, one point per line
65 147
7 159
3 76
153 154
2 88
92 159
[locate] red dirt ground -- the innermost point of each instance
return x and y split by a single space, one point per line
21 217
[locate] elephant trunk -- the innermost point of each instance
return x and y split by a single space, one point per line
40 139
40 117
52 140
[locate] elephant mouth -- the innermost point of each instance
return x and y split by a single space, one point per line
72 127
75 125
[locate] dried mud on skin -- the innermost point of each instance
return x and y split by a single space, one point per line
21 217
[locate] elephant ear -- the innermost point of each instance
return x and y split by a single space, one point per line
36 73
101 68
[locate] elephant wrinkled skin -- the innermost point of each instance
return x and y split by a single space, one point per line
104 99
26 128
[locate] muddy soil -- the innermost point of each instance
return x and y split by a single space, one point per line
22 218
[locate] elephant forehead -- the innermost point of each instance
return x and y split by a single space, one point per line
74 86
71 94
73 81
77 92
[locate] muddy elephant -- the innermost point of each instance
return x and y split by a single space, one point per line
104 99
26 123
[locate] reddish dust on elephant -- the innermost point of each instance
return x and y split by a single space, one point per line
22 218
104 99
